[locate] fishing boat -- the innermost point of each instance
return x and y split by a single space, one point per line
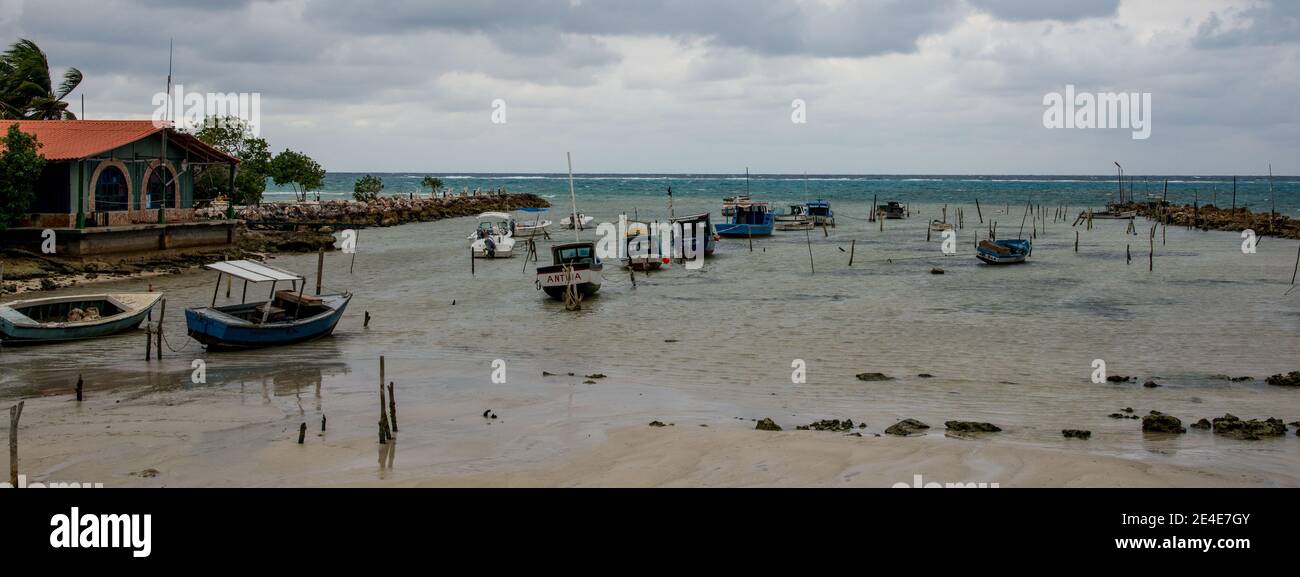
70 318
1010 251
750 219
574 267
729 202
940 226
795 219
584 221
892 210
526 228
641 248
694 223
492 238
288 317
820 212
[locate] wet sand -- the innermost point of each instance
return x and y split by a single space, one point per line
1010 345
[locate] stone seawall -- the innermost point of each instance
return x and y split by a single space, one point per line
385 211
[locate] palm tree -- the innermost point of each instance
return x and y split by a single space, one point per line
26 87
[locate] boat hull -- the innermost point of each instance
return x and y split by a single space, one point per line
554 279
1003 251
743 230
18 329
219 331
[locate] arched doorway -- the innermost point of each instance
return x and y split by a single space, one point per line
161 188
111 190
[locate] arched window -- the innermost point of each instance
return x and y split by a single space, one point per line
111 191
161 188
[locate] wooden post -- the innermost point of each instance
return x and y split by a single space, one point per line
1297 265
366 324
392 405
79 387
808 237
384 427
852 245
320 268
978 212
15 412
148 341
302 432
1151 257
322 423
1128 254
1076 241
162 312
471 261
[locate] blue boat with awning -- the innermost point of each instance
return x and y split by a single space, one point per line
1009 251
820 212
749 219
288 316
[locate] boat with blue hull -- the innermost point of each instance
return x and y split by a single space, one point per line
749 219
73 318
288 317
688 244
820 212
1010 251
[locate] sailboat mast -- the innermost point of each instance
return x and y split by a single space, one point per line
574 198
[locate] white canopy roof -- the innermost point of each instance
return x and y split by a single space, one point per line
496 216
253 271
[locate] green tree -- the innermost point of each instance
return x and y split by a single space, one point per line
367 188
233 136
27 90
20 169
297 170
433 182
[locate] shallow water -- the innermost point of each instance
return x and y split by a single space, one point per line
1010 345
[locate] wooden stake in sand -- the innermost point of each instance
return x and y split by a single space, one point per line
15 412
302 432
852 245
1297 265
808 237
148 341
1076 241
978 212
320 268
162 312
366 323
79 386
385 431
392 405
1128 254
322 423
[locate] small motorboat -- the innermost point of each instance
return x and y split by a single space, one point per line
1010 251
821 214
70 318
892 210
526 228
642 251
940 226
493 237
795 219
584 221
690 226
574 269
288 317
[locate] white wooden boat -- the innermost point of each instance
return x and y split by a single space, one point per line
584 222
494 237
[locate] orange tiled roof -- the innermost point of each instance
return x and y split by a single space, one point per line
76 139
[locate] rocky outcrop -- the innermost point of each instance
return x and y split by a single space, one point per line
767 424
971 427
1158 422
1291 379
385 211
1253 430
1210 217
874 377
906 427
1203 424
835 425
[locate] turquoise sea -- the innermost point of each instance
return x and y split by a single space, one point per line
991 190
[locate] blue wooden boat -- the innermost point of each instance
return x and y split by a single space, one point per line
749 219
1010 251
70 318
692 223
288 317
820 212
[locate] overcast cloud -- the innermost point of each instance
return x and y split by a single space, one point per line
891 86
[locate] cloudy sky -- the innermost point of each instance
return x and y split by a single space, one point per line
890 86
